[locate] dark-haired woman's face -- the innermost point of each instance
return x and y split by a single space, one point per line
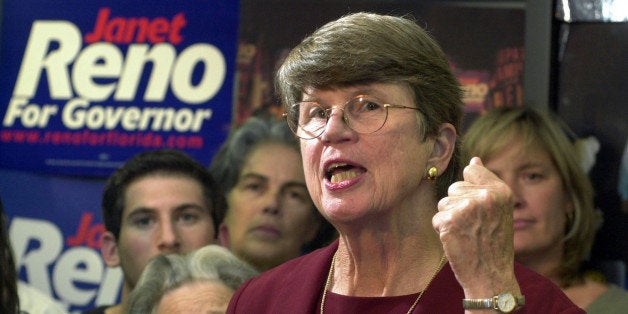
271 215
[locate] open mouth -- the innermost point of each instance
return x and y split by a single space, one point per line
339 172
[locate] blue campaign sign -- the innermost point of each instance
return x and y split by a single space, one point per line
55 229
87 84
84 86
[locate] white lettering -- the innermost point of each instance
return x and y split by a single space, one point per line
78 274
110 286
130 119
100 61
30 115
78 113
36 260
183 120
99 71
213 76
162 57
72 116
78 264
43 33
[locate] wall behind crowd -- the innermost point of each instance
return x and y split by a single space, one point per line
591 98
54 209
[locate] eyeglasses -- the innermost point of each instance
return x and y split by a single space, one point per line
307 119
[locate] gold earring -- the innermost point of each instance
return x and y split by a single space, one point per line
432 173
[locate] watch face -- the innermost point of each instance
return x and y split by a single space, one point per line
506 302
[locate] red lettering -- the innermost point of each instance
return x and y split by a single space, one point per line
178 22
86 233
96 35
114 31
123 30
136 28
93 236
158 30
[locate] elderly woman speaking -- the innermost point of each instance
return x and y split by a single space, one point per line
377 108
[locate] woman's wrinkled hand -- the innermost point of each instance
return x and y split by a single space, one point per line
475 225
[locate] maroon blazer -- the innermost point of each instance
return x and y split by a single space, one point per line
296 287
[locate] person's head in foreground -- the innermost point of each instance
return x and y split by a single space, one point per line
202 281
158 202
377 108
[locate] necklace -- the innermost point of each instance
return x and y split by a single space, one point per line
331 273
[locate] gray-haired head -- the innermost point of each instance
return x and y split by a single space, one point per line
230 158
165 273
364 48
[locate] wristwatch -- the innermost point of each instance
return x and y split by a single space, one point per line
505 303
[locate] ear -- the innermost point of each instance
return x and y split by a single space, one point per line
223 235
444 144
109 249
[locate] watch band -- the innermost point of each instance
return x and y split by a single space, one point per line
504 303
478 304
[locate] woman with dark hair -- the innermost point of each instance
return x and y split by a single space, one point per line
271 218
8 286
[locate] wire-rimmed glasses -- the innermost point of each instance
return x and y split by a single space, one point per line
307 119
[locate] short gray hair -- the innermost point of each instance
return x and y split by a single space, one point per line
229 160
364 48
165 273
